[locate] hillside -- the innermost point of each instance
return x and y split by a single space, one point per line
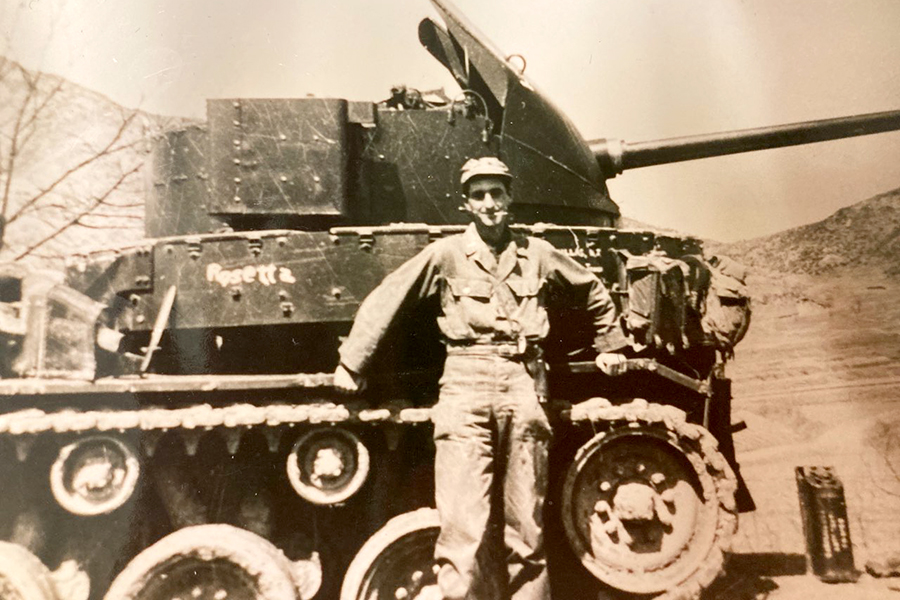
75 171
864 235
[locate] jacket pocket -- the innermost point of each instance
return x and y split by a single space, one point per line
524 288
470 288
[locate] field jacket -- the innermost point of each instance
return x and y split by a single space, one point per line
484 298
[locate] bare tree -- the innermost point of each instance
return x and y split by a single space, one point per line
68 162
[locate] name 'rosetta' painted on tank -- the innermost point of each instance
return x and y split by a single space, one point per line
265 274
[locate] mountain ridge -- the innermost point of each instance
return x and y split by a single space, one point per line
862 235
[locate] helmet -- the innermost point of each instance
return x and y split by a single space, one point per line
488 165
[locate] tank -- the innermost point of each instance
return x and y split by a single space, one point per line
169 427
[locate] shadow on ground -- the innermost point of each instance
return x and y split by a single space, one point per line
750 576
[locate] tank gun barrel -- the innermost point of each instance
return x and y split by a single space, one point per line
616 156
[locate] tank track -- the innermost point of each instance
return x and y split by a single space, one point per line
200 417
33 421
205 417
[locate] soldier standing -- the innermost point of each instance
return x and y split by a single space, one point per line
490 428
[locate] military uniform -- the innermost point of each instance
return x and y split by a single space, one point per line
488 420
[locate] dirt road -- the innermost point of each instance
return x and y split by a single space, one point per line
817 381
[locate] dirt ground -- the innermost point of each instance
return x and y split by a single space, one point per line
817 382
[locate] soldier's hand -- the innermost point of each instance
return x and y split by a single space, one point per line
607 362
347 381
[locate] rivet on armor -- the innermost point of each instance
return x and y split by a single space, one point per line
236 104
236 142
140 318
283 178
315 138
236 123
237 179
237 161
605 486
316 178
336 292
237 198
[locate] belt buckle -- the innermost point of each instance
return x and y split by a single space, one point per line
508 351
512 349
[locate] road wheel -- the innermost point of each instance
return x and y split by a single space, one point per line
648 503
207 562
23 576
397 562
328 465
94 475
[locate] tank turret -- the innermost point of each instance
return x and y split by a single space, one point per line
312 163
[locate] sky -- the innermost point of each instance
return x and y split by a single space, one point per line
631 69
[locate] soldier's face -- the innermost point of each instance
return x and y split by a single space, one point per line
488 201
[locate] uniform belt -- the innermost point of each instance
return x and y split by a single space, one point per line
506 349
528 353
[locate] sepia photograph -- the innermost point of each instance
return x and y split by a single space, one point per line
449 300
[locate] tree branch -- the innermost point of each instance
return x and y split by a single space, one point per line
105 151
58 207
75 221
111 216
30 124
92 226
13 152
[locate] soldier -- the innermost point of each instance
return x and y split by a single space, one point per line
492 285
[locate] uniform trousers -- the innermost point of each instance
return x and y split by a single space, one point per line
491 439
